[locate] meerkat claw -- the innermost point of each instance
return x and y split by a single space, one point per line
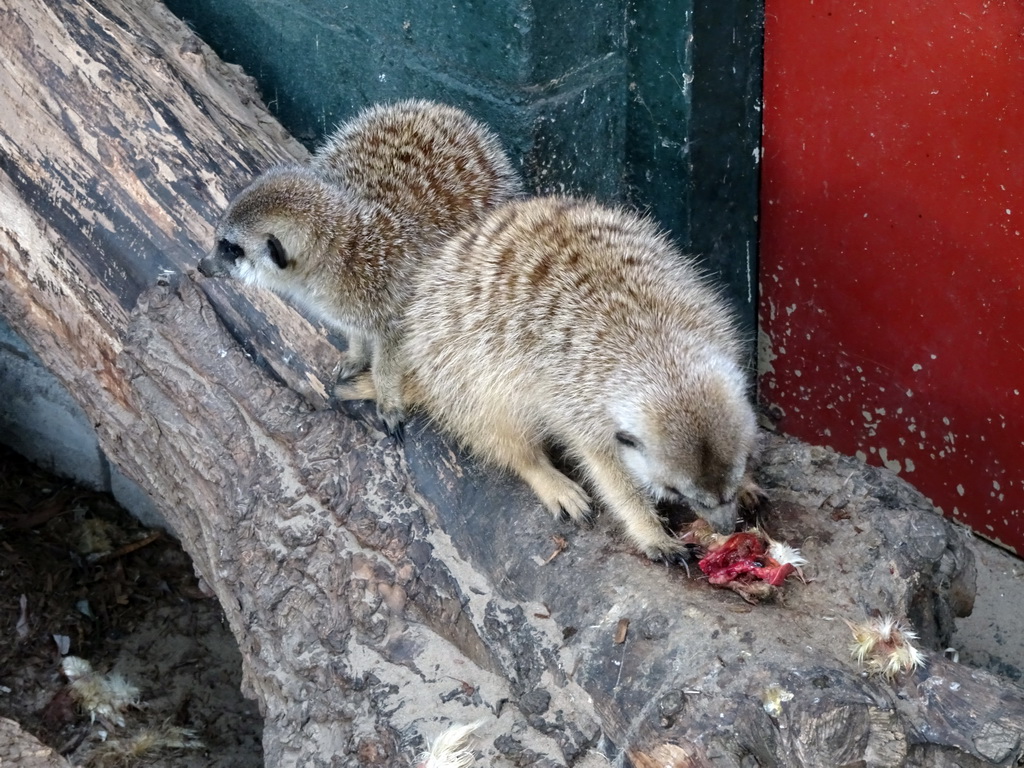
397 433
586 518
669 551
751 495
680 558
394 425
581 517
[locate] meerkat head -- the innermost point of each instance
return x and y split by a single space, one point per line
691 443
272 227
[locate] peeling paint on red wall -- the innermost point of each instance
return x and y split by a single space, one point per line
892 251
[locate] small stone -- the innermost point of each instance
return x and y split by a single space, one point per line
535 702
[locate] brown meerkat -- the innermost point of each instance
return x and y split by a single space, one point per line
342 235
562 321
431 161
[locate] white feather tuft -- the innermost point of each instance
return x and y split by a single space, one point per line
885 646
102 696
451 748
784 554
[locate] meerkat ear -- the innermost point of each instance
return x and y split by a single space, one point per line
277 251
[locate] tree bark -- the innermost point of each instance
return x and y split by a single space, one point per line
24 750
379 593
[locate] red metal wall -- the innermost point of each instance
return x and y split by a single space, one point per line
892 251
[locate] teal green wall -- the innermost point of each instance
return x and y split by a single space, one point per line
655 103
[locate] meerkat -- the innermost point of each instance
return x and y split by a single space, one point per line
560 321
431 161
342 235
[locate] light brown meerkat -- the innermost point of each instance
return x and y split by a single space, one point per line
562 321
342 235
431 161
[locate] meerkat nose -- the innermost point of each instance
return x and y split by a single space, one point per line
722 519
207 267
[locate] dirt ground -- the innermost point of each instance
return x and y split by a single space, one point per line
96 585
79 577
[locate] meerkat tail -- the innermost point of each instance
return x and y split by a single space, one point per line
359 388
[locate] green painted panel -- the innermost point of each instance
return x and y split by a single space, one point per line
694 129
725 138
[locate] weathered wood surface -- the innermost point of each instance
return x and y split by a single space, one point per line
378 594
21 749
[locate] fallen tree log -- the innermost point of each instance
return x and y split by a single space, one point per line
23 749
378 594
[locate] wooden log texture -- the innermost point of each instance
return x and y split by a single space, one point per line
379 594
22 749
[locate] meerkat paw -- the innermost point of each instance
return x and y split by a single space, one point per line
666 550
356 358
561 495
569 500
647 531
575 503
750 495
394 421
680 557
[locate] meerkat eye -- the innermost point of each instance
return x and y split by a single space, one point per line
277 251
229 250
628 440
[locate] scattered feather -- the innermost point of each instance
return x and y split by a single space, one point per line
884 645
451 748
95 536
772 699
784 554
103 696
122 753
21 628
